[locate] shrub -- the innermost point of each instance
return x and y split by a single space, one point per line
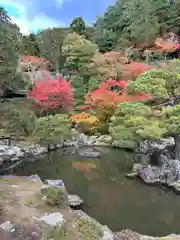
52 129
87 121
55 195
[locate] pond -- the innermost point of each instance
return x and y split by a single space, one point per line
108 196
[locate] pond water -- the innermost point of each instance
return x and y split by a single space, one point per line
108 196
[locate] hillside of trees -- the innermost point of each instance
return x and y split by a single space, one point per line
119 77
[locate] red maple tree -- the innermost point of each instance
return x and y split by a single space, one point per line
53 94
134 69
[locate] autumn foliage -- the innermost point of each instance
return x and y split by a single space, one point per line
134 70
110 64
33 63
85 167
165 46
53 94
109 95
83 117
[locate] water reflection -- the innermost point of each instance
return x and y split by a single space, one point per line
84 166
108 195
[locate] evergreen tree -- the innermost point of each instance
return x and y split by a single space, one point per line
78 26
29 45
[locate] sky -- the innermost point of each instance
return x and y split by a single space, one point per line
34 15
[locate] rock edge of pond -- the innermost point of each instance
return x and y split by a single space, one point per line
25 213
167 174
86 146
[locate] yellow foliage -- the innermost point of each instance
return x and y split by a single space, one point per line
84 117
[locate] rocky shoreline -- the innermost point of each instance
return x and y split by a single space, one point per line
86 146
18 151
31 209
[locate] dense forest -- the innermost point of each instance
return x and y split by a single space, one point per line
119 77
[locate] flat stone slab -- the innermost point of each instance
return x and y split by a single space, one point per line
74 200
7 226
55 183
53 219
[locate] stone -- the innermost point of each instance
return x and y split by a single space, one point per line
35 150
70 143
60 145
3 148
7 226
82 138
161 144
132 175
89 152
137 168
150 174
1 161
74 200
53 219
175 186
105 139
107 233
127 235
57 183
170 171
35 178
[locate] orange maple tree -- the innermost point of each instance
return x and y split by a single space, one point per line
109 95
134 69
164 45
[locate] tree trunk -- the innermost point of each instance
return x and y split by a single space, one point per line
177 147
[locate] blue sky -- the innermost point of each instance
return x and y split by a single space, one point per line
32 15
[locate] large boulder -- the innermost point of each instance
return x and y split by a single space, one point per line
150 174
35 150
168 173
160 144
127 235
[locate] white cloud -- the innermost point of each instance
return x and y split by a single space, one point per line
37 22
23 26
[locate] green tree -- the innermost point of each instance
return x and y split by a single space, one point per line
52 129
10 77
130 22
16 119
50 44
153 119
143 28
29 45
78 26
4 18
78 53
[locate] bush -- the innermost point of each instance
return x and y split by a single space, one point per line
52 129
55 195
88 122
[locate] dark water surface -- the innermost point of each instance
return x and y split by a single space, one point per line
108 196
